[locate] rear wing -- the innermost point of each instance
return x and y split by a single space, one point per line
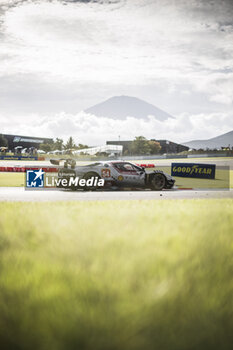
64 162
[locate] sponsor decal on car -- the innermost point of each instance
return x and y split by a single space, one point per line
105 173
202 171
120 178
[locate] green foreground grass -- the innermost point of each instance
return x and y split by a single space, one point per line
128 275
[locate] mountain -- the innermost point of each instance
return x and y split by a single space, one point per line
216 142
120 107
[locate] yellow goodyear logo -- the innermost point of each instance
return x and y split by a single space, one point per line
203 171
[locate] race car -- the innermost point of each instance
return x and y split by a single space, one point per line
116 174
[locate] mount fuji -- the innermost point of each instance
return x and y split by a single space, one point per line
120 107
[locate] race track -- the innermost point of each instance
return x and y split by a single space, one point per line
20 194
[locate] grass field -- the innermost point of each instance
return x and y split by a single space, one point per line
12 179
130 275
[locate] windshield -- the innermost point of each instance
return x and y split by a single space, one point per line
125 167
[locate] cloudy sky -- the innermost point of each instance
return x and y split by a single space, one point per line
58 58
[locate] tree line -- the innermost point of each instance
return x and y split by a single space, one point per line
59 145
139 146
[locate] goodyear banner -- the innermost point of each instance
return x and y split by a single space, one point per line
194 170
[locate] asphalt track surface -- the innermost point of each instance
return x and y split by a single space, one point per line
19 194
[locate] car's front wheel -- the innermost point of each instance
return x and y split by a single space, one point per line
157 182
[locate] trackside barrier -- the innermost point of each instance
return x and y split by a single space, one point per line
4 157
18 158
14 169
48 169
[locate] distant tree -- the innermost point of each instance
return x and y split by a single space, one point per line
81 146
58 144
154 147
70 144
47 147
140 146
101 154
3 141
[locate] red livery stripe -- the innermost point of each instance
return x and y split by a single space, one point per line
14 169
146 165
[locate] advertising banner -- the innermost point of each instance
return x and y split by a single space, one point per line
18 158
193 170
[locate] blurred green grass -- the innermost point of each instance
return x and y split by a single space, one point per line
124 275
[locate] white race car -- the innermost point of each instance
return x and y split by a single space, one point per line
116 174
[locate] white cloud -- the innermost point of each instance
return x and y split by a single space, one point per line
87 128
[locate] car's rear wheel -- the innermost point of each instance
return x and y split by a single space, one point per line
88 176
157 182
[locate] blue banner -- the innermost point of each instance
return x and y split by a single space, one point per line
193 170
18 158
